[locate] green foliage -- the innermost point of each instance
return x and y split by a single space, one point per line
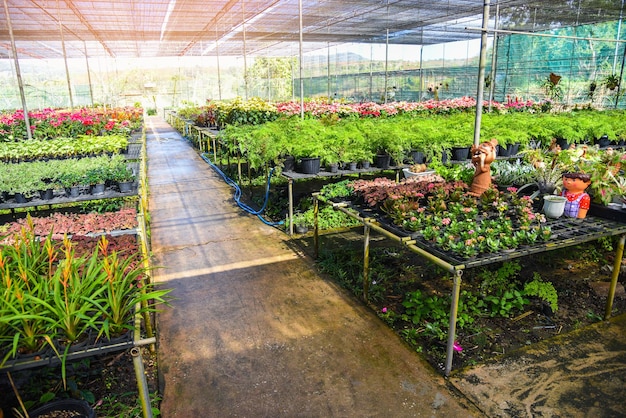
28 177
501 293
79 146
543 290
505 303
501 280
328 218
337 190
432 312
454 172
51 293
342 266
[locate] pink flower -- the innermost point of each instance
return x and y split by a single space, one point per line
457 347
384 310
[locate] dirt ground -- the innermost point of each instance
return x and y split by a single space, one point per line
579 274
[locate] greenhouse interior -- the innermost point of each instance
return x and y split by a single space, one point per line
312 208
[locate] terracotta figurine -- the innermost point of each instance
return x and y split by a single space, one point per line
578 201
483 155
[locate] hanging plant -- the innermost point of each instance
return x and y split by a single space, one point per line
552 88
611 81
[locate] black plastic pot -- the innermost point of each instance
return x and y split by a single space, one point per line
512 149
563 144
460 153
310 165
125 186
73 406
604 141
98 188
21 198
417 157
46 194
290 163
383 161
73 191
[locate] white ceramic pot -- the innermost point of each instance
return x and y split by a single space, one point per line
554 206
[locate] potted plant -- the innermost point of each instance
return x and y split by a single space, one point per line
123 176
64 408
551 87
96 177
71 181
611 81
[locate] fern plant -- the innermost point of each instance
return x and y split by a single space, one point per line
543 290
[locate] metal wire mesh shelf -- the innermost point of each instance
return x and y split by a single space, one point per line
566 232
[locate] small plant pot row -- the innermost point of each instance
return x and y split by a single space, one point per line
129 187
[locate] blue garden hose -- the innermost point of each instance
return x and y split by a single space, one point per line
237 196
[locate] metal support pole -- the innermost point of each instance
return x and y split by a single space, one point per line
290 192
617 36
454 308
621 77
328 71
18 73
481 73
419 92
494 59
366 262
386 62
217 58
300 59
617 264
214 151
142 384
245 61
88 73
67 68
316 231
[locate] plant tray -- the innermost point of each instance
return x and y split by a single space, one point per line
566 232
613 211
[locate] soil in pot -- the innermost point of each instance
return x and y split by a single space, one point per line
64 408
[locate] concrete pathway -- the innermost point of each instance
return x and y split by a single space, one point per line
253 331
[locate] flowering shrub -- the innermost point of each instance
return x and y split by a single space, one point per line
54 123
446 215
372 109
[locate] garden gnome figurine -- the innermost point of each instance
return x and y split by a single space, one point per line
578 201
482 157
